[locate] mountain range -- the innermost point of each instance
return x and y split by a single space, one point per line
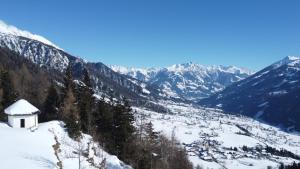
270 95
188 81
182 82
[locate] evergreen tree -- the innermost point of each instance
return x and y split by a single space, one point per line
69 108
87 80
71 114
149 145
152 136
123 128
51 105
104 123
68 80
86 103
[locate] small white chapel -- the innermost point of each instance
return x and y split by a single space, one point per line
22 114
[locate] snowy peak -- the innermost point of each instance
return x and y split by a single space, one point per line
288 60
190 66
189 81
185 67
292 58
12 30
125 70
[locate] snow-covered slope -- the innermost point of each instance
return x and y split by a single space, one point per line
9 29
271 94
188 81
217 140
22 148
38 52
44 54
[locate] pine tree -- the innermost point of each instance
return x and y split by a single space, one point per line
68 80
123 128
51 105
68 88
69 111
86 103
87 80
71 115
104 123
148 146
151 134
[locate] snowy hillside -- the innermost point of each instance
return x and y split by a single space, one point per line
189 81
271 94
217 140
49 144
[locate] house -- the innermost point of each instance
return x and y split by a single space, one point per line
22 114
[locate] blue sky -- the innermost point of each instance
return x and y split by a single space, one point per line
147 33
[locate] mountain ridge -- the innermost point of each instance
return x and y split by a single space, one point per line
105 80
271 94
188 80
9 29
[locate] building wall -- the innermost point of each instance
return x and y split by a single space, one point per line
30 121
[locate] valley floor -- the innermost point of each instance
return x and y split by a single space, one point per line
217 140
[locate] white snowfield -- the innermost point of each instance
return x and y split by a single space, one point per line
24 149
215 140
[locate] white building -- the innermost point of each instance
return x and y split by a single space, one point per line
22 114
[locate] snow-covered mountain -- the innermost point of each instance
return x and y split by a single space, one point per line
217 140
45 54
189 80
12 30
183 81
271 94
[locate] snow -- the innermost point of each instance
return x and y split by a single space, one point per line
9 29
219 105
289 60
35 51
21 107
293 81
246 163
144 89
209 136
189 81
261 74
22 148
277 93
263 104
